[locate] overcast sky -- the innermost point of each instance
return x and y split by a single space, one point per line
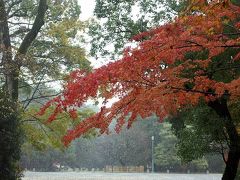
87 7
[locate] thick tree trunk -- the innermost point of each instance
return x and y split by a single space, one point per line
12 66
221 108
10 131
6 50
231 164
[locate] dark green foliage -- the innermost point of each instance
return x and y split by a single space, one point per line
46 159
165 151
200 131
224 68
11 139
236 2
166 154
238 175
121 20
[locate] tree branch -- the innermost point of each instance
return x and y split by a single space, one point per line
42 82
40 97
20 23
19 31
13 4
34 92
16 14
194 91
38 23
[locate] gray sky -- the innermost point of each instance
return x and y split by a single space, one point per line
87 7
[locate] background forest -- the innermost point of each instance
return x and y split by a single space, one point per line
132 147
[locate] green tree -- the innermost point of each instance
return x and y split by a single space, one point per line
130 147
47 159
167 153
49 47
116 22
200 133
42 135
200 128
37 45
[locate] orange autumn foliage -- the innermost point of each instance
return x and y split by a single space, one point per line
156 76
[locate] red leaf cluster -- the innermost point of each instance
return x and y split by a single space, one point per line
152 78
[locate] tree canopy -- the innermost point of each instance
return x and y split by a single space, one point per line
167 152
39 43
163 74
116 22
193 58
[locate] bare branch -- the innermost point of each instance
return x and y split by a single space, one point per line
42 82
16 13
34 92
14 3
41 97
19 31
20 23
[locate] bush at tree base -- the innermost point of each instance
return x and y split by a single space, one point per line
11 140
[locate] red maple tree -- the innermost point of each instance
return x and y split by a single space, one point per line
174 66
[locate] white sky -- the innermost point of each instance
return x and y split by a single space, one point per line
87 7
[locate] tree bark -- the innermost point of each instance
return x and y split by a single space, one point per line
12 66
221 108
5 47
10 140
38 23
231 164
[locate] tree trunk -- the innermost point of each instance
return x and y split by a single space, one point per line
6 50
12 65
221 108
10 131
231 164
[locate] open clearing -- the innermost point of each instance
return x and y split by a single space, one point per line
116 176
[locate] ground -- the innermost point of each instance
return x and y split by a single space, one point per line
116 176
